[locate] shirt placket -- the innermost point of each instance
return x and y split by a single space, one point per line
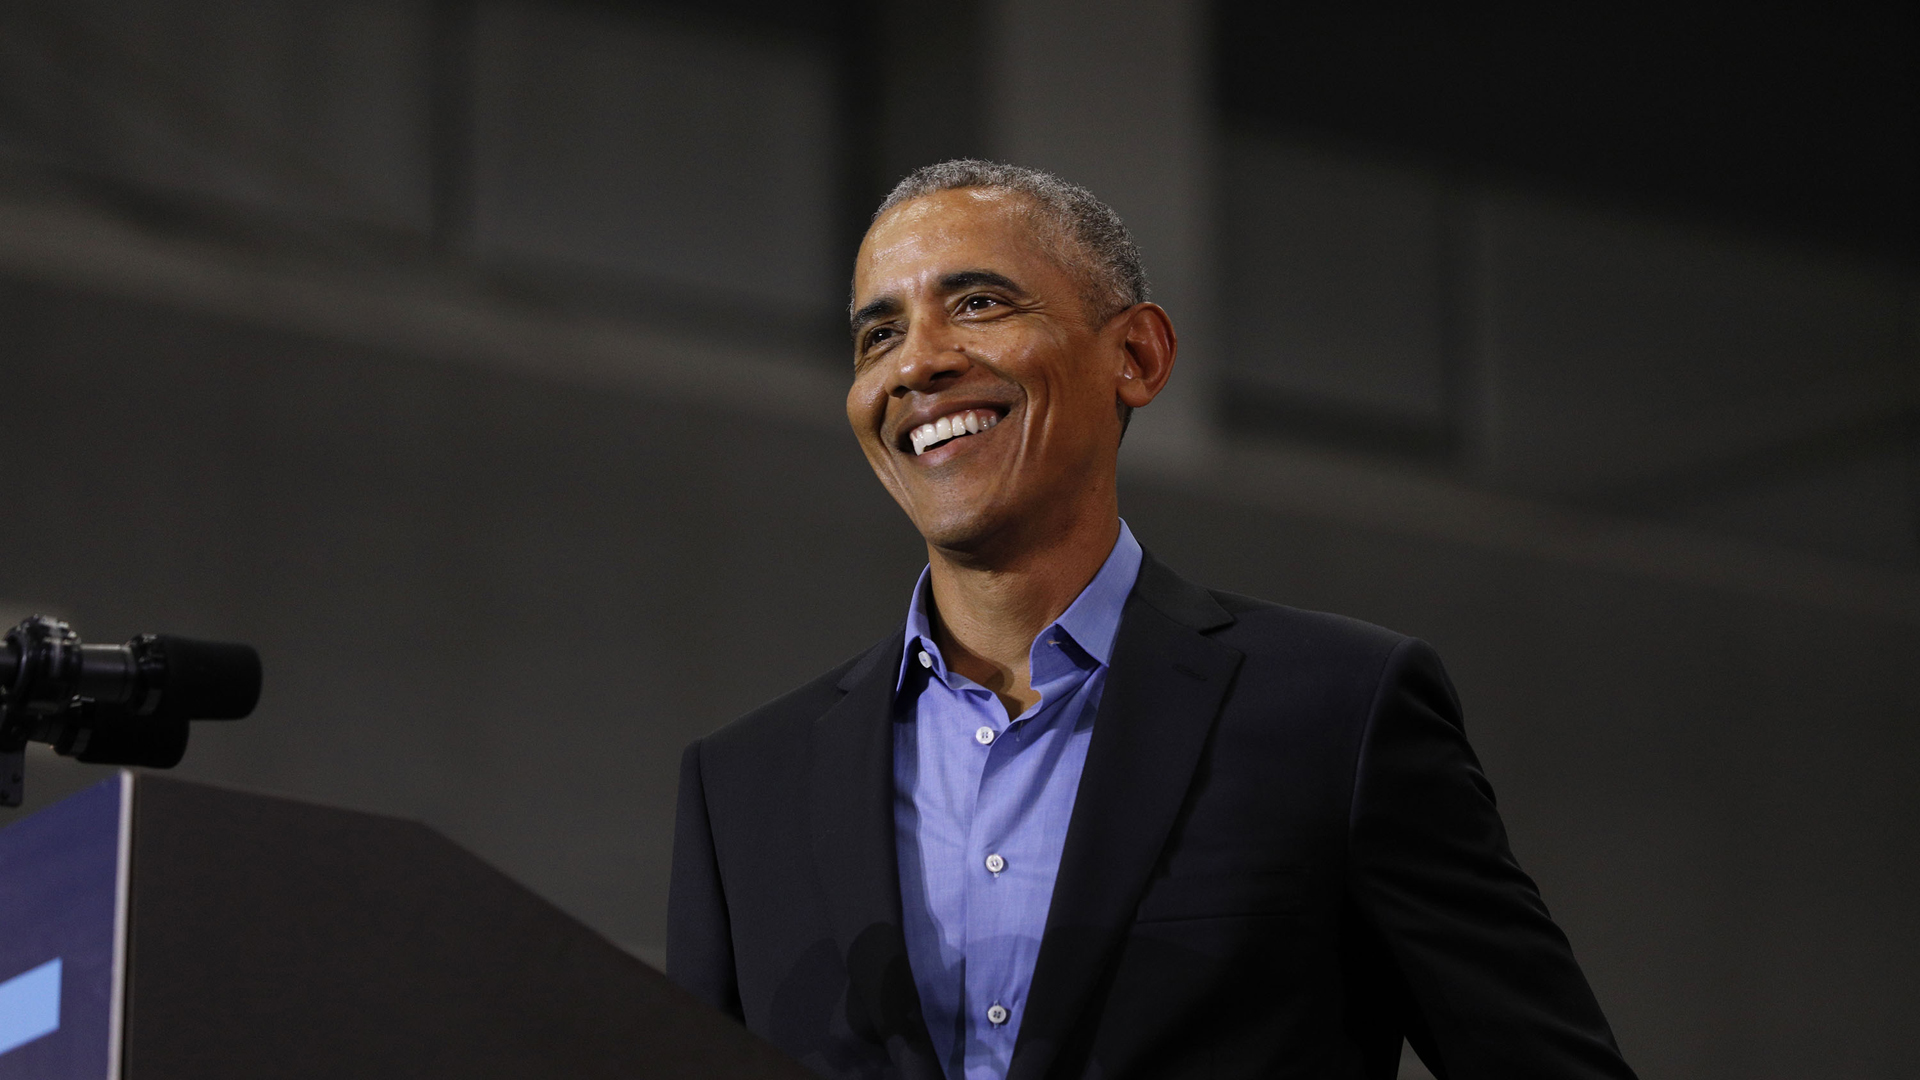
986 995
996 861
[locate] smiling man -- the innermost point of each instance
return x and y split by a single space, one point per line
1079 817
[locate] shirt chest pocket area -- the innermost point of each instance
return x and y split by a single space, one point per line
1213 890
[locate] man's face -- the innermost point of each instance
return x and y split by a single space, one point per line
963 322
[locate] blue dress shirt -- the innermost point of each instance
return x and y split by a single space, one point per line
980 814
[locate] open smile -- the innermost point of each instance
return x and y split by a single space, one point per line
956 425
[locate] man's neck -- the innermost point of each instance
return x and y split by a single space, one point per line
986 615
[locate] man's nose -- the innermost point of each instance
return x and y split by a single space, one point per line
929 361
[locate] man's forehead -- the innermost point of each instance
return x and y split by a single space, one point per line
935 235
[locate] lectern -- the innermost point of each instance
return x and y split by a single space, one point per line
153 928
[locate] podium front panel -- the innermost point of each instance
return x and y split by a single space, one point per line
62 890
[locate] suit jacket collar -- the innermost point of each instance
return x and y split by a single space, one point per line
1164 690
1165 686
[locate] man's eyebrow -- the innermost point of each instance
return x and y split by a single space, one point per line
967 279
874 309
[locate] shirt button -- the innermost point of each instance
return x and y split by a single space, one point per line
984 736
997 1014
925 660
995 863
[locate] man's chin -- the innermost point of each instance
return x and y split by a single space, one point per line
966 531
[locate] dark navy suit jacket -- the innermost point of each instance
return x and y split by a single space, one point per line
1282 860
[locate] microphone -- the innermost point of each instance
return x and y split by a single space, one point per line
113 704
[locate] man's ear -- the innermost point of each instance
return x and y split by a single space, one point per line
1149 346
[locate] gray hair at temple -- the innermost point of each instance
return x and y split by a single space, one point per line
1068 216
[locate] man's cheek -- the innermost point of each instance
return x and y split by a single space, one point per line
865 415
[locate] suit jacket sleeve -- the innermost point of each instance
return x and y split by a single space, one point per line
699 932
1492 978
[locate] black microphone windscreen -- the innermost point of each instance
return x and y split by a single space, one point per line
209 680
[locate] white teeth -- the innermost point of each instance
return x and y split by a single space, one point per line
970 422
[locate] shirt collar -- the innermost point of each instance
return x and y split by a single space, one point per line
1092 620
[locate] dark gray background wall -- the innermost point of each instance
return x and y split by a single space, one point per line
477 362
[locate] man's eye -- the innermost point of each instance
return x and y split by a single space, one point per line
979 303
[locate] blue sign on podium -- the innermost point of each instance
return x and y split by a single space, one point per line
63 893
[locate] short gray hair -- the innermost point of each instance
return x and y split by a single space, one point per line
1108 262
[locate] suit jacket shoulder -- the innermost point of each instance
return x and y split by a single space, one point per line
1313 668
1347 647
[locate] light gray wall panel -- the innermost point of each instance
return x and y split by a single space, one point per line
1863 505
1617 350
1333 280
658 151
299 108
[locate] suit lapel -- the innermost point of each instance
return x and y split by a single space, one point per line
850 792
1164 689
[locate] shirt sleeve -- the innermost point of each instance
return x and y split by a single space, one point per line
1491 976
